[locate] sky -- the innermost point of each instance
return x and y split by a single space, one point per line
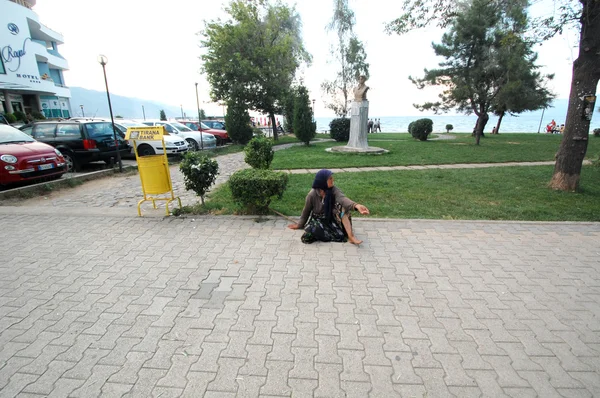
153 50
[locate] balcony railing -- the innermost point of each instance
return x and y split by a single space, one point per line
23 3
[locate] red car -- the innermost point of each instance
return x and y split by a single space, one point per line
221 135
24 159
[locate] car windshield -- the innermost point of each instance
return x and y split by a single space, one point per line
96 130
180 127
130 124
10 135
204 126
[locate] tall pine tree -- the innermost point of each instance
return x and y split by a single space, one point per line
304 128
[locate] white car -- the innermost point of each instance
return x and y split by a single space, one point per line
195 139
175 145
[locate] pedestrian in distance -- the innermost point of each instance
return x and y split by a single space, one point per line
326 215
370 126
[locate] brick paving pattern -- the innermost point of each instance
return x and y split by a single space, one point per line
105 305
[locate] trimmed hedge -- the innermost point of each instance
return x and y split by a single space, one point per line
421 128
254 188
339 129
259 153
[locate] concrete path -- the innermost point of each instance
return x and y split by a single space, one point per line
97 302
104 304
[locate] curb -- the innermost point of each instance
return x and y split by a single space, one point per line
131 212
64 182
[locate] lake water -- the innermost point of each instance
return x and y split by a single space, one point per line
527 123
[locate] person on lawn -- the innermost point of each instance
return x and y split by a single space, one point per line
326 214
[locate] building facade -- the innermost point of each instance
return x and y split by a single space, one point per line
31 68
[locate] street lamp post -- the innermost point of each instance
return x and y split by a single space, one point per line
103 60
144 112
313 110
199 119
82 113
181 106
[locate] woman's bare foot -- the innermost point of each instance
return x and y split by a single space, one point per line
354 241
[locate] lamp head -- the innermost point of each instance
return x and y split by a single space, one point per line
102 59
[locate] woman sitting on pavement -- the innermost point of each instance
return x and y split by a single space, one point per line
329 211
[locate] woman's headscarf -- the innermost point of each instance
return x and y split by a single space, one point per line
320 182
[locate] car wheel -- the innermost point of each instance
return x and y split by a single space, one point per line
193 144
146 150
72 165
219 141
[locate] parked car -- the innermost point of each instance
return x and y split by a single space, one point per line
80 141
3 120
24 159
208 141
214 124
221 135
174 144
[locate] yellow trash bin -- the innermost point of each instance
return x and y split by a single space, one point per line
154 174
154 170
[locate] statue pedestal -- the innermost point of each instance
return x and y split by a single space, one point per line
359 118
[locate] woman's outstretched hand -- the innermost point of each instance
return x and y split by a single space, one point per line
362 209
293 226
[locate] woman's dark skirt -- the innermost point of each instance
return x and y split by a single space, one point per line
318 228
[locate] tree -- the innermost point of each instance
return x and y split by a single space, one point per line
253 56
586 73
304 128
583 14
350 54
202 114
163 116
479 49
237 122
288 109
525 88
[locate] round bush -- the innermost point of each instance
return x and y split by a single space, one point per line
596 132
339 129
199 172
20 116
38 115
10 118
421 128
259 153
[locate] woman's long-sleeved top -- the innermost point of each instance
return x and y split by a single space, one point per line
314 203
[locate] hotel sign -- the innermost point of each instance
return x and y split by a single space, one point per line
12 57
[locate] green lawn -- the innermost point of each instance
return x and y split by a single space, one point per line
404 150
233 148
503 193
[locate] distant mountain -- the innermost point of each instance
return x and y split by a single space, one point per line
95 104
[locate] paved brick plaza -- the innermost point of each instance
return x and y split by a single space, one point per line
113 305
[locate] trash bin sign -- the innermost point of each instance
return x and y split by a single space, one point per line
154 169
